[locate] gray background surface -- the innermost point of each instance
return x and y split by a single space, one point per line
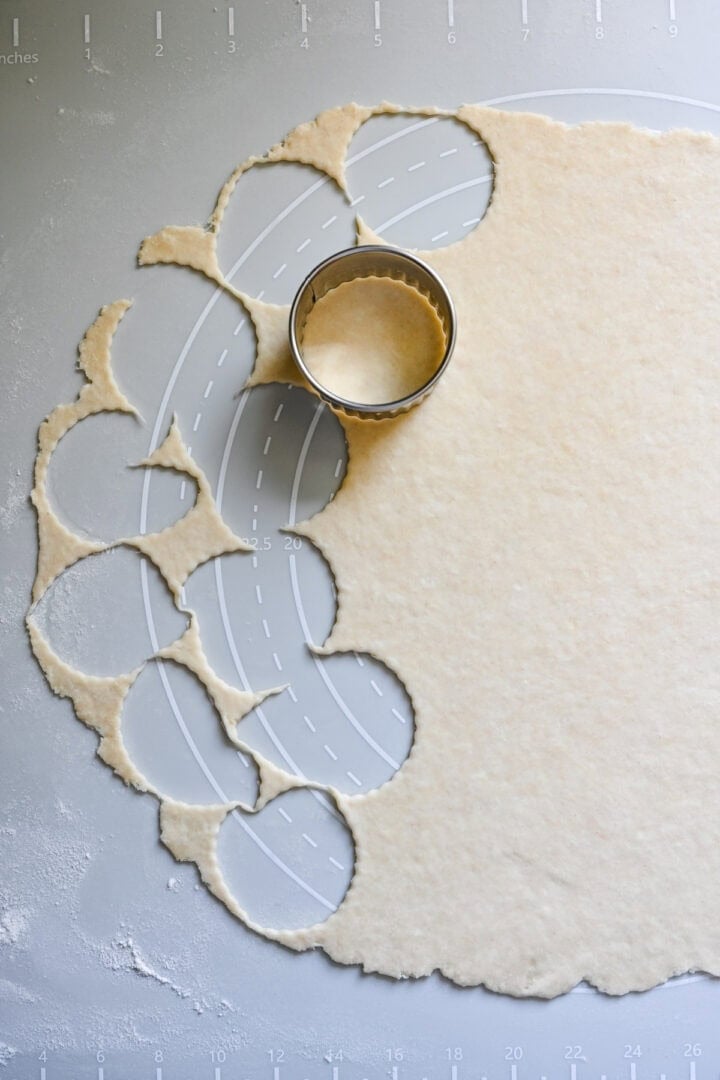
113 961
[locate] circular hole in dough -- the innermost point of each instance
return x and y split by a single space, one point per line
174 736
300 447
282 219
93 488
290 865
419 182
81 611
351 728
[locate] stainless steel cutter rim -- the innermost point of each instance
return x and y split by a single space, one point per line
437 294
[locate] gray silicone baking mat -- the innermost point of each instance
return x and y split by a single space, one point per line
116 120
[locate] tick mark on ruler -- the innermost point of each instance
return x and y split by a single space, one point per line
278 411
417 165
329 221
208 389
158 25
451 13
335 863
280 270
330 752
376 7
524 12
303 19
86 29
231 22
276 661
598 11
386 181
16 33
673 12
283 813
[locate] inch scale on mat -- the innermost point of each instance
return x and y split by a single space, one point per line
378 24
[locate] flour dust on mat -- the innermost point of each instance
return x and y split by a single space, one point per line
534 551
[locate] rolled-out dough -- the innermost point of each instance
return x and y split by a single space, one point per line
534 551
373 340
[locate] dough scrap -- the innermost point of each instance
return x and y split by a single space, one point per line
58 547
183 245
176 551
544 526
199 535
231 704
97 701
373 340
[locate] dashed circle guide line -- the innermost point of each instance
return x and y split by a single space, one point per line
179 719
347 713
437 197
